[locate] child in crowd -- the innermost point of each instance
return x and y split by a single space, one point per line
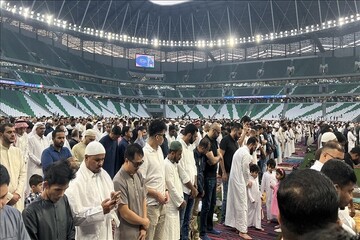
36 185
269 181
254 199
280 175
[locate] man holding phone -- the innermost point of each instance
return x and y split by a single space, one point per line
92 198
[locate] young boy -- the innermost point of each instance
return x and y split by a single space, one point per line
36 185
254 199
267 183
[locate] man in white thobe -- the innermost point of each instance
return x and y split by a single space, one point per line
37 143
22 140
351 137
237 207
174 186
279 140
12 158
92 198
292 139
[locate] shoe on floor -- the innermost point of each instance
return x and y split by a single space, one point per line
205 237
213 231
278 230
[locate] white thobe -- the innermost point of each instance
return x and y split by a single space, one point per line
236 206
292 141
170 139
254 204
268 180
36 147
351 140
86 193
13 161
174 186
22 142
187 163
287 150
82 128
279 139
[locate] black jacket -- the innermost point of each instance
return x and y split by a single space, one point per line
45 220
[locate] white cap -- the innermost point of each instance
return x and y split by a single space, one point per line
328 136
94 148
90 132
276 125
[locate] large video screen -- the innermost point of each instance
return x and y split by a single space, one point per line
145 61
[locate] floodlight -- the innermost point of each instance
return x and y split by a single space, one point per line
26 12
49 19
341 21
167 2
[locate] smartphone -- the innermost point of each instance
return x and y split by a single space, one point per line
115 196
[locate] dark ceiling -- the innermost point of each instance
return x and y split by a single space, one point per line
209 20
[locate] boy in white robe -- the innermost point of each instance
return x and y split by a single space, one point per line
174 186
268 180
254 199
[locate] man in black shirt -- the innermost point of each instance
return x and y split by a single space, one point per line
200 161
228 147
50 216
209 199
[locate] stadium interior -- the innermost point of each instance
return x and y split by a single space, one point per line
76 59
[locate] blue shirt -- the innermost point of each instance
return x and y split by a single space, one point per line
11 224
50 155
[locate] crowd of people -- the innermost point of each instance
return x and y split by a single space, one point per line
134 178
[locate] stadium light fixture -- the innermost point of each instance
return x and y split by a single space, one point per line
26 12
341 21
168 3
203 43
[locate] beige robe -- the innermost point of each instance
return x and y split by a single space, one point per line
13 160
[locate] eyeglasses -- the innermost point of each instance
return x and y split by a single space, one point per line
333 156
137 164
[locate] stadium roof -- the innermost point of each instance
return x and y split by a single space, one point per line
194 20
